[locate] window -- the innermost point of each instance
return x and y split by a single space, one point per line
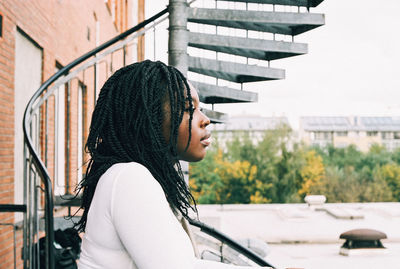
119 13
323 135
1 25
342 133
387 135
396 135
319 135
389 146
372 133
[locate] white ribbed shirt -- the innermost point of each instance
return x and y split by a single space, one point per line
131 226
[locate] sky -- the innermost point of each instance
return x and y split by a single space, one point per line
351 69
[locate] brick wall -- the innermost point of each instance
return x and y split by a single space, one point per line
64 30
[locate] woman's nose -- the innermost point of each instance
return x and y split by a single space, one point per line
206 121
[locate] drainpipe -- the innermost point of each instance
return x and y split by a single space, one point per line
178 35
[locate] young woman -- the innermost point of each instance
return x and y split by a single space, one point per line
146 119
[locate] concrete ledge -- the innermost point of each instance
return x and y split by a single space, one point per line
233 71
247 47
287 23
215 116
213 94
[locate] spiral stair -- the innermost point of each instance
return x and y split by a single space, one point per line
222 80
293 19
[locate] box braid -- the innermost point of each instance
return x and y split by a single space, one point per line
127 125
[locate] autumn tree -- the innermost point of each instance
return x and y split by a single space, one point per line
311 173
390 173
275 169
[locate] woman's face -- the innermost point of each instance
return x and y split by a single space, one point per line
200 138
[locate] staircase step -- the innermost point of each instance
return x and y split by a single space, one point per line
287 23
67 200
247 47
213 94
297 3
234 72
215 116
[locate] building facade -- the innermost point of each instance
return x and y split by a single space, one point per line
344 131
251 125
37 38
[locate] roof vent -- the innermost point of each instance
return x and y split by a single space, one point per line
362 241
315 201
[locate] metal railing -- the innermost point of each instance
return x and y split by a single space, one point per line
12 208
49 130
42 121
224 239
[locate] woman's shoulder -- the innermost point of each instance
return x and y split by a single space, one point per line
130 166
125 169
130 175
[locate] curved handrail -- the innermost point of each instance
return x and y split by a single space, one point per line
230 242
34 156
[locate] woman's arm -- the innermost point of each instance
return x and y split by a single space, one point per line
146 226
145 223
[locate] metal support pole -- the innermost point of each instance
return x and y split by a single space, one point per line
178 35
177 47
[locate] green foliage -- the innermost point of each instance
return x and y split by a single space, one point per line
206 185
390 174
276 169
311 173
346 185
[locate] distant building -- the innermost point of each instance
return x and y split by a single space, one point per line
344 131
254 126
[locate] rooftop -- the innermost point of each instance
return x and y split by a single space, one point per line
305 237
350 123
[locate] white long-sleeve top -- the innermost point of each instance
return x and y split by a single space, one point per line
131 226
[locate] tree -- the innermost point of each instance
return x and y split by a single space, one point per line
390 173
277 170
204 182
288 175
218 180
239 181
311 173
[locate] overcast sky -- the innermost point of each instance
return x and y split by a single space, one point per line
352 67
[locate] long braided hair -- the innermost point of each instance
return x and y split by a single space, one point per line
127 125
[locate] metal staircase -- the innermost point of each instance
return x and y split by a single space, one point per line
264 50
82 77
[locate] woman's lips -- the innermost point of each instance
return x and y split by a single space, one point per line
206 140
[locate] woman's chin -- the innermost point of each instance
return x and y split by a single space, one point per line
193 158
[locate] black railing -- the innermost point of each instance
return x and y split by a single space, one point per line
40 168
12 208
34 156
231 243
